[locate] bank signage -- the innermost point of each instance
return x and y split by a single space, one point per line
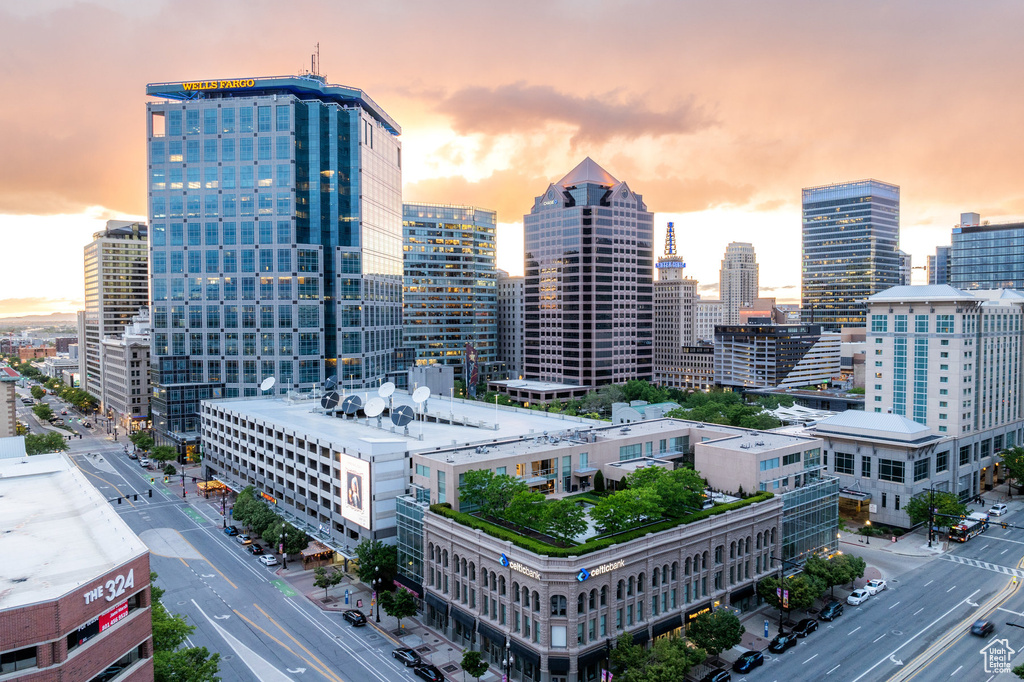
600 570
218 85
519 568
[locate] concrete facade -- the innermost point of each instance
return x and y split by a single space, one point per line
511 321
775 356
125 388
738 280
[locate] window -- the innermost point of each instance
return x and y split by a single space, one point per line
558 605
900 324
865 466
965 455
793 458
921 324
844 463
921 469
22 659
768 464
890 470
879 323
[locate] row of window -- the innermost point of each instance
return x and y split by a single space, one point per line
175 122
246 149
214 205
210 289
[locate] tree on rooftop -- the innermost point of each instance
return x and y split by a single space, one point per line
626 509
564 519
488 491
525 510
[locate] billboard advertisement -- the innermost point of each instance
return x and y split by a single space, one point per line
472 370
355 490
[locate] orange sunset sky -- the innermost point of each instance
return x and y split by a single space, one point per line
717 112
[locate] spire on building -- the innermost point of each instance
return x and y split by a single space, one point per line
670 240
671 259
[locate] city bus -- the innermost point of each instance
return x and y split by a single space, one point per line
967 529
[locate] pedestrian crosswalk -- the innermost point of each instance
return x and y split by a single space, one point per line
995 568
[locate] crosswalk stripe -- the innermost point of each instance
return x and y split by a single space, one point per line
984 565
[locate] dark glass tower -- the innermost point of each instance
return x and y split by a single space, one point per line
589 281
851 234
275 207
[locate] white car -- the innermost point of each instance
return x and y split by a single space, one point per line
858 597
875 586
268 560
144 462
998 509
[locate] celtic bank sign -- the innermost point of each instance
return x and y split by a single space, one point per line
520 568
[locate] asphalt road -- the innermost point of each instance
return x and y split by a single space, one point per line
262 628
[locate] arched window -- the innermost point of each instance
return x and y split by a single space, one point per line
704 563
558 605
619 590
501 585
773 537
758 541
484 575
630 586
664 574
444 558
686 567
593 600
654 576
472 571
640 580
580 603
675 569
536 601
455 562
515 592
526 598
465 571
748 545
732 549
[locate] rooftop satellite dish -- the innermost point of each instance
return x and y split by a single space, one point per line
268 384
402 415
330 400
374 406
331 383
421 394
351 404
386 389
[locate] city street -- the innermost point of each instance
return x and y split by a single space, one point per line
262 627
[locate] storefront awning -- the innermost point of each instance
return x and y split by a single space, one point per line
668 625
593 656
558 666
491 633
525 653
438 603
855 495
462 617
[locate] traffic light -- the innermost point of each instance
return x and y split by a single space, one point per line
193 479
152 479
165 479
136 497
1004 525
119 500
151 492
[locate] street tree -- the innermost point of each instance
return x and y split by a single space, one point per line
1013 460
627 656
142 440
195 664
669 661
244 504
261 518
51 441
947 507
376 559
803 590
564 519
42 410
626 509
473 664
326 579
839 569
399 604
37 392
163 453
716 631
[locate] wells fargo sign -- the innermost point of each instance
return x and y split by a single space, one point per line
218 85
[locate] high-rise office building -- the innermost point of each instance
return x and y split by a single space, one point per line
738 280
906 268
851 237
451 297
126 376
939 265
116 288
511 320
986 256
276 241
589 270
707 314
775 356
674 296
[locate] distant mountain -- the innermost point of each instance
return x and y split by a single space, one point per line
53 319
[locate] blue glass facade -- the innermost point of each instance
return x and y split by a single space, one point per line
988 257
276 241
850 250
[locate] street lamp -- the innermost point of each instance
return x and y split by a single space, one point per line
782 583
377 583
867 536
507 661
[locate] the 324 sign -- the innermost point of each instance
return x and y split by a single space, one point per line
113 588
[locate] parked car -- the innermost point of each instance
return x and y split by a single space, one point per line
805 627
407 656
255 549
832 610
982 628
63 411
268 560
781 643
717 676
429 673
355 617
748 661
132 455
998 509
144 462
858 597
243 539
231 531
875 586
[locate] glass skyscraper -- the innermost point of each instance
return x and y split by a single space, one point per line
451 294
851 235
986 256
275 209
589 281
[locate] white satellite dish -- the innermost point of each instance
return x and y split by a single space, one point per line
374 406
421 394
386 389
268 384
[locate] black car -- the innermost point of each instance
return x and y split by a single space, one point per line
231 531
407 656
832 610
982 628
355 617
805 627
429 673
717 676
748 661
781 643
255 549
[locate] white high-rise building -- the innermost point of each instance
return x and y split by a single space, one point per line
674 296
707 314
738 280
947 358
511 335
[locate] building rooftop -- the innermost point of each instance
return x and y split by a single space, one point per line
922 292
527 385
60 531
875 425
449 422
12 446
587 171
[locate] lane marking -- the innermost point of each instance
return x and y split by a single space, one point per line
951 589
918 611
928 583
878 638
832 670
300 644
261 668
853 630
809 659
326 673
894 606
203 557
955 671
